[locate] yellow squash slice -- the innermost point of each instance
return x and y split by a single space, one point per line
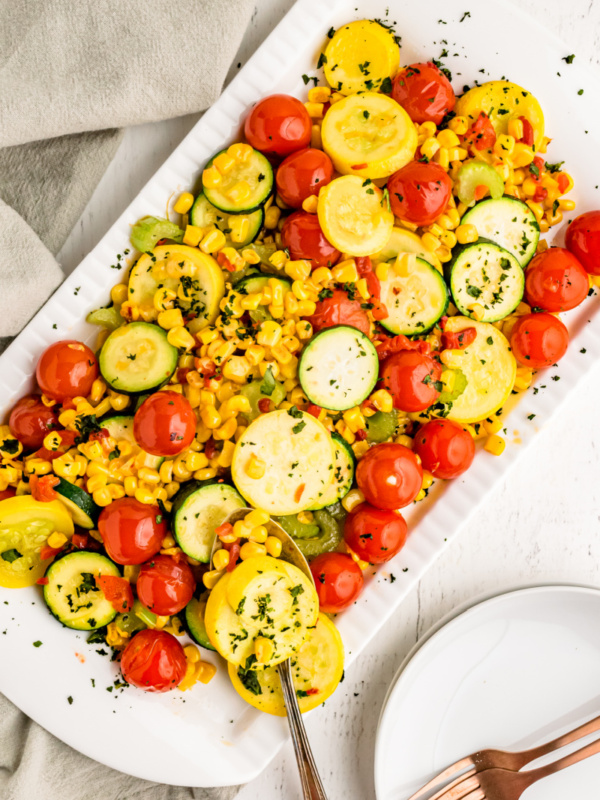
263 597
194 276
317 669
355 216
369 135
294 453
489 367
403 241
502 101
360 56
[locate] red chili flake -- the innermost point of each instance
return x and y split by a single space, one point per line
359 166
42 581
299 491
361 435
264 405
210 448
312 691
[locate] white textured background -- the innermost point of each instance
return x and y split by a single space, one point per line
540 525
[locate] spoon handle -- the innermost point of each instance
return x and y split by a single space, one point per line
311 782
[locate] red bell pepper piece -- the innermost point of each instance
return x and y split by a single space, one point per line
42 489
527 137
117 591
234 554
481 135
314 410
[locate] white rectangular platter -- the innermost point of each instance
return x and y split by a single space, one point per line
208 736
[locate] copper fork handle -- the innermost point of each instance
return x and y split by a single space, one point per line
527 756
535 775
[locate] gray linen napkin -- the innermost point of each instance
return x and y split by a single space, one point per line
70 75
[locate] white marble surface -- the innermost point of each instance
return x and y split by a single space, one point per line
542 524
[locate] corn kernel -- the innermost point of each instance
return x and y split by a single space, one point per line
430 242
495 445
236 369
270 334
315 110
102 497
382 400
516 128
405 440
206 672
116 491
448 138
460 125
273 546
252 550
172 318
179 336
213 241
353 499
258 534
226 456
255 467
211 177
430 147
566 205
298 270
466 234
263 649
240 151
272 215
221 559
522 155
345 271
210 579
144 495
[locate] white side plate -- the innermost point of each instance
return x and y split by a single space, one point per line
511 673
208 736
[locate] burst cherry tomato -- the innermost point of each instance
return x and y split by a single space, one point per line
583 240
165 585
539 340
419 192
154 661
340 310
117 591
30 421
412 379
389 475
302 174
375 534
338 580
555 280
445 448
303 237
424 92
165 424
132 532
66 369
481 135
278 125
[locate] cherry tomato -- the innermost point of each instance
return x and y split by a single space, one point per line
302 174
30 421
445 448
154 661
132 532
66 369
375 534
419 192
67 440
555 280
424 92
165 585
583 240
412 378
278 125
389 475
117 591
338 580
340 310
539 340
481 135
6 493
303 237
165 424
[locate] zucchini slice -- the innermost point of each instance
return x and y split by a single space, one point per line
338 368
71 593
298 457
197 510
343 474
485 275
204 214
354 215
415 296
254 175
79 503
317 670
194 622
194 276
509 223
488 366
121 427
254 284
137 357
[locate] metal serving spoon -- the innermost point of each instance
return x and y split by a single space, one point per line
309 776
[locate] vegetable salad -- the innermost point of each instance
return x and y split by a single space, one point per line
332 323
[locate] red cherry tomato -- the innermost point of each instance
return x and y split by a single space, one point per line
30 421
67 440
132 532
165 424
303 237
375 534
412 379
481 135
66 369
583 240
419 192
539 340
340 310
445 448
6 493
278 125
154 661
389 475
165 585
424 92
117 591
338 580
302 174
555 280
